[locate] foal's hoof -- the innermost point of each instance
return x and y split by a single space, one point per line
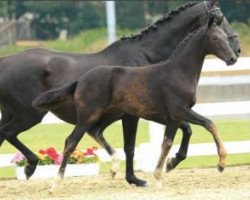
220 168
112 173
169 165
29 170
157 174
136 181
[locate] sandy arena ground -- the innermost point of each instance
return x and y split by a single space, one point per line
193 184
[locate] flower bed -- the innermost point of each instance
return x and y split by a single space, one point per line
81 163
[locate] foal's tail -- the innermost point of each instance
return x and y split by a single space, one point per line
54 98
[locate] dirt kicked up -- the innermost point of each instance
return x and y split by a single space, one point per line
193 184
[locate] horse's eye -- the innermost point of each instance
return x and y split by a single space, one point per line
220 20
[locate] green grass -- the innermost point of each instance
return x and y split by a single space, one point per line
92 40
43 136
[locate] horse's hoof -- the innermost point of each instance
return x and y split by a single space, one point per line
169 165
53 189
112 173
56 185
29 170
136 181
220 168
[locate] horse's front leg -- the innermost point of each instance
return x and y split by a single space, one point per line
169 136
193 117
129 124
182 153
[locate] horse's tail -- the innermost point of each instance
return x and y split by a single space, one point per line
54 98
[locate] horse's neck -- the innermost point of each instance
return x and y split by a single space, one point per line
157 45
160 44
190 59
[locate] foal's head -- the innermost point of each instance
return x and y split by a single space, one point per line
217 43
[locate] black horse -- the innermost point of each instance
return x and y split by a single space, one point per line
165 91
26 75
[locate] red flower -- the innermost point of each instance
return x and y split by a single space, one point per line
90 152
52 153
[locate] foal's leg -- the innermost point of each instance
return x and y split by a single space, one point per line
70 145
86 118
98 137
182 153
193 117
129 133
169 136
96 132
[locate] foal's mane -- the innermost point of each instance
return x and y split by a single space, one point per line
165 18
183 43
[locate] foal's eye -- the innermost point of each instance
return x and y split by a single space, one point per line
220 20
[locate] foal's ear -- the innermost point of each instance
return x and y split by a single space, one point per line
210 20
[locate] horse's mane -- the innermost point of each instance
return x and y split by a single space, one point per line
181 45
166 17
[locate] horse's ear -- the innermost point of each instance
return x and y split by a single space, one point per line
210 20
214 2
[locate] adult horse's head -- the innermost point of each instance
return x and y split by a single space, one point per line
159 40
216 42
214 11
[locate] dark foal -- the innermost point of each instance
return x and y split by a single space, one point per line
165 91
26 75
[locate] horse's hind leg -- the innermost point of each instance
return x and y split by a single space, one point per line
182 153
11 129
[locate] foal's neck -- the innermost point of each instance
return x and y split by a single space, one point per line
189 59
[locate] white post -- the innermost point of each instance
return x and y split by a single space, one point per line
111 21
156 133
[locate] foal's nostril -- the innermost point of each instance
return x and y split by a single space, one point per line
239 51
233 59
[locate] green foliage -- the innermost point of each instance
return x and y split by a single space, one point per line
236 10
53 16
46 161
50 17
130 14
22 163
